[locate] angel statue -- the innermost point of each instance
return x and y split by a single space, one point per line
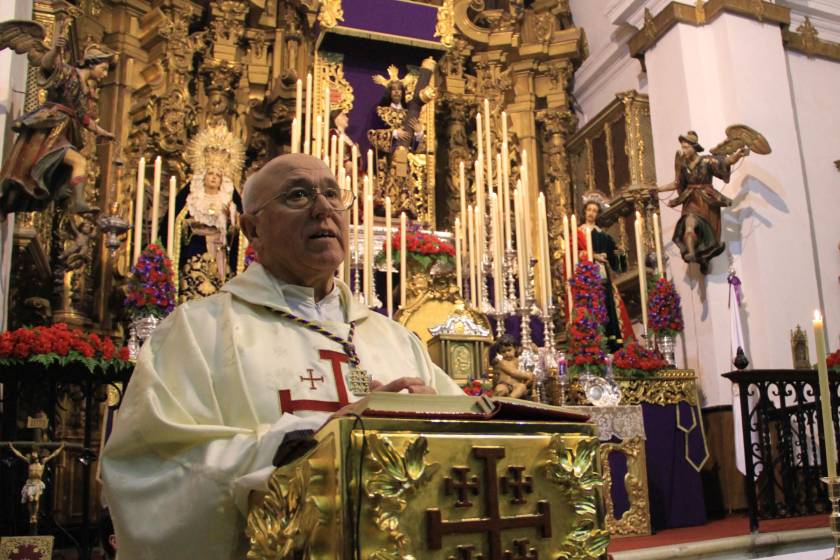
207 239
697 233
45 163
403 142
34 486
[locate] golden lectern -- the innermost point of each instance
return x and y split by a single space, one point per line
458 478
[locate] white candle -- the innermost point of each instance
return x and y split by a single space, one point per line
545 265
389 266
660 269
316 144
370 291
153 238
170 219
138 208
371 172
488 147
325 122
355 218
825 398
298 120
307 133
506 181
333 155
293 147
403 261
479 256
342 141
479 137
471 252
567 252
640 258
521 259
348 248
589 244
574 234
462 186
479 213
459 274
495 241
526 205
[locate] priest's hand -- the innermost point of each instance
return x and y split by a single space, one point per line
412 384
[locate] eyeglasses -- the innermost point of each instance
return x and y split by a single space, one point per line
303 198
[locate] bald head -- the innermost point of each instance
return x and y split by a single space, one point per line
266 183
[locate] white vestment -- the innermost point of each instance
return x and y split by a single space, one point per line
216 387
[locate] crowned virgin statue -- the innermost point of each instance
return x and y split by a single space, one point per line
208 241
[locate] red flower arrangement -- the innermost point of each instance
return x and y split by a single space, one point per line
833 360
250 256
151 291
586 343
634 360
61 345
478 387
423 248
664 309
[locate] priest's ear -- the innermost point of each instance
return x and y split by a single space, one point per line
249 226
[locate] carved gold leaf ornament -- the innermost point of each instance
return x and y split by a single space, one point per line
572 468
396 478
282 526
445 26
330 13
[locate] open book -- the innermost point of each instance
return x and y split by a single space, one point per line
462 407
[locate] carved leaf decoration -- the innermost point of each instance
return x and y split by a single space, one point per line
414 454
386 457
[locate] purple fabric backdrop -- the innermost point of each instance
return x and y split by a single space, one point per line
405 19
676 490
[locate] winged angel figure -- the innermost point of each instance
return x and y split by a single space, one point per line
697 233
45 163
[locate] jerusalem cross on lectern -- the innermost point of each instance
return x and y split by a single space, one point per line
492 523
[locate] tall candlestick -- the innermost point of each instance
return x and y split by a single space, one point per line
170 218
471 251
640 259
348 248
660 269
479 203
389 266
498 184
459 274
479 137
825 399
589 244
370 168
403 261
574 234
156 200
369 291
488 146
138 208
479 255
307 132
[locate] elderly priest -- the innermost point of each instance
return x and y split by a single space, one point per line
224 379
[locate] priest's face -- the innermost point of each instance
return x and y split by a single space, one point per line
299 245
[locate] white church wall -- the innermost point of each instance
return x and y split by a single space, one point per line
12 88
705 78
815 84
608 69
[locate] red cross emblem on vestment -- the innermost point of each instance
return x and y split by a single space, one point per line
288 404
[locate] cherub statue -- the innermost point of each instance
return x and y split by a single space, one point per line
34 486
206 244
697 233
511 381
45 161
